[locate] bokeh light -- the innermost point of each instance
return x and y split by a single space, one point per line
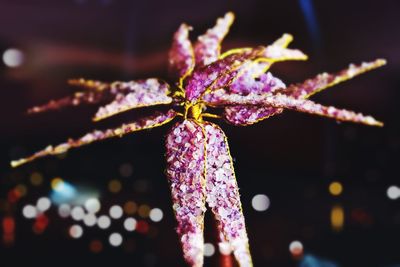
21 189
130 224
144 211
296 248
335 188
260 202
393 192
63 192
114 186
130 207
156 215
89 219
75 231
126 170
104 222
13 57
64 210
36 178
77 213
43 204
92 205
115 239
337 218
29 212
116 212
96 246
209 249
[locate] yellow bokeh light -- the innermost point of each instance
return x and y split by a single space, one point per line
130 207
144 211
36 178
337 218
56 182
114 186
335 188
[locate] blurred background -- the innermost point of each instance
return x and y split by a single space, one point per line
315 193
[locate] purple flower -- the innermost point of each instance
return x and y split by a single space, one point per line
199 165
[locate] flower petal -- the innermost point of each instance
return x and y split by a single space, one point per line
247 115
223 195
217 74
254 79
98 92
143 93
155 120
186 173
208 46
222 97
181 57
326 80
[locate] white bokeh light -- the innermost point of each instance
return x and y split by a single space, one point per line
77 213
116 212
89 219
75 231
115 239
296 247
156 215
13 57
43 204
64 210
130 224
393 192
209 249
92 205
29 212
260 202
104 222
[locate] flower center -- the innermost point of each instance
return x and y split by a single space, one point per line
194 111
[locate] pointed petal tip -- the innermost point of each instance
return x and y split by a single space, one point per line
230 16
186 27
96 119
287 36
17 163
75 81
377 123
380 62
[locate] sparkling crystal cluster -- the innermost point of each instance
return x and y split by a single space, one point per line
199 166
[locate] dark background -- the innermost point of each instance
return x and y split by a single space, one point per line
292 158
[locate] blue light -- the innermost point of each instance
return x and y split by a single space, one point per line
312 261
63 192
311 20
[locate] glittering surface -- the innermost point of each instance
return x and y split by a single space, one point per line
199 165
221 97
181 57
246 115
217 72
223 195
96 93
97 135
143 93
185 171
325 80
243 111
207 47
